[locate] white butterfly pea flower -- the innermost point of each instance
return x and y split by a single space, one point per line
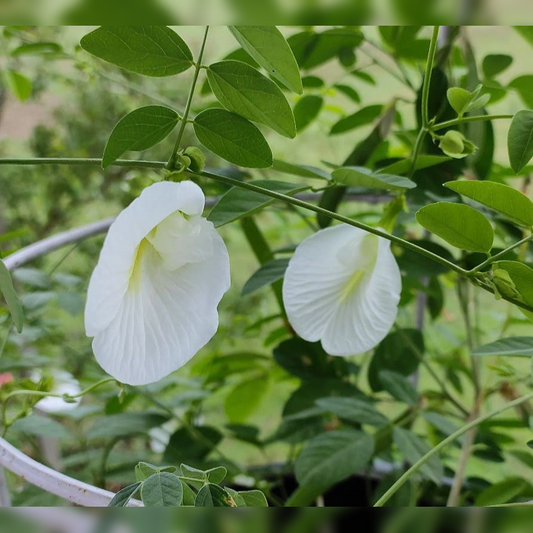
64 383
153 296
342 287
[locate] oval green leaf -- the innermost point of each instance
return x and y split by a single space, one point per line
520 140
233 138
332 457
503 199
149 50
306 110
269 273
162 490
459 99
353 409
212 496
509 347
122 498
269 48
242 89
139 130
11 297
18 84
245 398
459 225
494 64
363 177
364 116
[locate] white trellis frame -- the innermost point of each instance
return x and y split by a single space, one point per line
14 460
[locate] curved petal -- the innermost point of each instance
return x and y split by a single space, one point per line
110 279
342 287
169 316
64 383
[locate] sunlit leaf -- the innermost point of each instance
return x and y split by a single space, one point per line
509 347
269 48
233 138
139 130
149 50
505 200
520 140
460 225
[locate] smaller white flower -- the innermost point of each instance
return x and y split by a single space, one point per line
64 383
153 296
342 287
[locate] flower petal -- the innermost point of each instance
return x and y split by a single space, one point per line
343 289
166 319
110 278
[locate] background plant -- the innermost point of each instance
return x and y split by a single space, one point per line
429 378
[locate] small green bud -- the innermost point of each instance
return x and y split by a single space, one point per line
197 158
454 144
503 284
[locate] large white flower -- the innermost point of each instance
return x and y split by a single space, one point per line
342 287
153 297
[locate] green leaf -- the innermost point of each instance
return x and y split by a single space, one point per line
248 498
502 492
459 99
332 457
214 475
139 130
213 496
42 48
39 426
523 85
145 470
522 277
239 202
526 32
18 84
399 387
11 298
266 275
494 64
460 225
363 177
191 444
308 361
162 490
510 347
503 199
189 496
269 48
149 50
306 110
233 138
125 424
122 498
348 91
303 171
245 398
413 448
423 161
241 89
520 140
354 410
400 352
364 116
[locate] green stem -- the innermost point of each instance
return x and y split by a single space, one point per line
497 256
81 161
462 120
43 394
416 150
330 214
198 66
427 76
448 440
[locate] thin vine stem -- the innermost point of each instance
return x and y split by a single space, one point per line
427 76
499 255
448 440
197 67
462 120
272 194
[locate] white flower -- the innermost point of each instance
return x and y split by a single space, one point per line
64 383
153 297
342 287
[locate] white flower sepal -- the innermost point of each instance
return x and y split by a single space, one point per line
153 296
342 287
